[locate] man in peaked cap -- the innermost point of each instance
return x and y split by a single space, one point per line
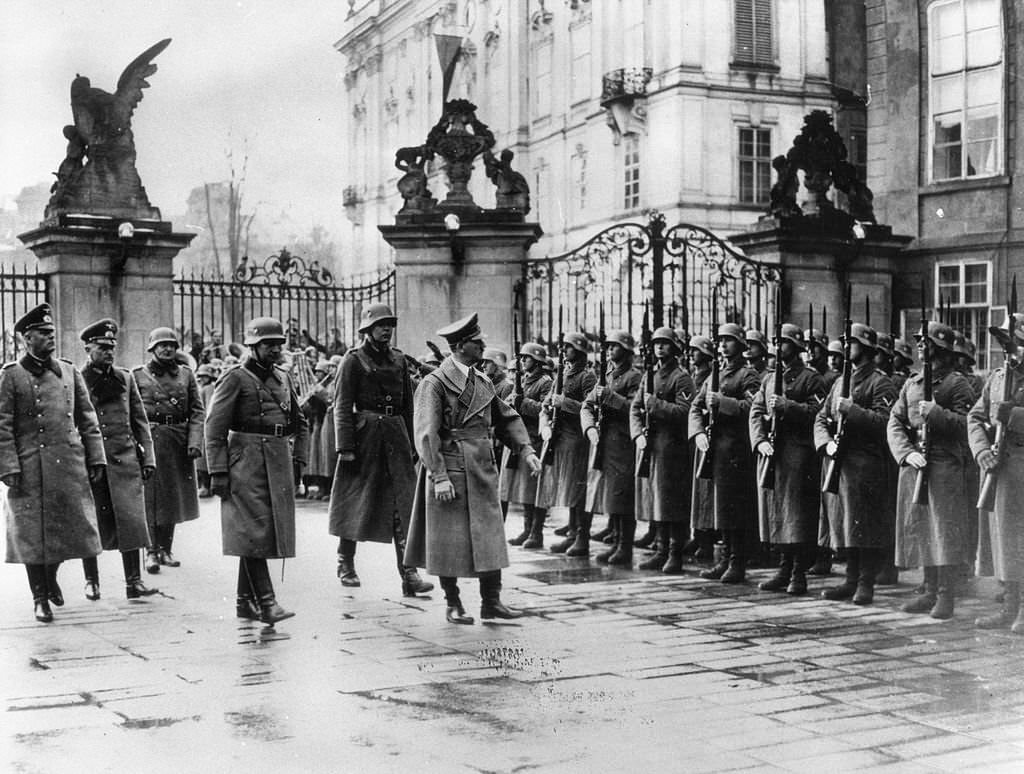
375 478
128 444
51 448
175 410
457 530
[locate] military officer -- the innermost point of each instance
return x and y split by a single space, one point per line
457 530
858 517
51 449
120 502
174 407
604 416
780 430
517 484
372 422
702 513
252 427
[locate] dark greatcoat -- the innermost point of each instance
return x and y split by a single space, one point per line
258 516
732 464
702 506
858 515
934 534
563 484
517 484
120 502
793 507
1005 525
49 435
205 393
667 490
612 488
453 422
370 493
502 388
175 411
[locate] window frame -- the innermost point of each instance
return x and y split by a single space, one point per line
754 160
768 61
961 264
631 172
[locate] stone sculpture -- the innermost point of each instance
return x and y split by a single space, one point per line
413 184
513 192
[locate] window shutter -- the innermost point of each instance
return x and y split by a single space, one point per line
763 31
744 30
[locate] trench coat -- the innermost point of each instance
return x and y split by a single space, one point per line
934 534
611 487
50 437
372 418
563 484
517 484
732 464
454 418
666 495
250 404
205 393
175 411
702 505
858 514
1005 525
119 498
316 411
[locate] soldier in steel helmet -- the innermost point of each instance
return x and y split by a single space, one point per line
902 359
374 479
756 353
255 435
702 513
175 411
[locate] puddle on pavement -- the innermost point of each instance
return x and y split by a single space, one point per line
256 724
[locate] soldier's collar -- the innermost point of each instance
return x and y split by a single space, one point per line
160 368
35 366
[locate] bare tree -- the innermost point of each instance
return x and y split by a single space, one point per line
239 223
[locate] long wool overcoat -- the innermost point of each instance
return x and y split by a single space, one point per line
795 501
563 484
205 393
665 496
858 514
50 437
516 484
175 411
937 533
732 463
1005 525
120 502
258 515
373 404
453 422
611 486
702 506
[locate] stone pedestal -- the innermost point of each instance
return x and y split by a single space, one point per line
442 276
92 272
817 263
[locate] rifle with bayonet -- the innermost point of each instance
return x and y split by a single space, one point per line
643 462
547 451
987 496
602 381
703 465
830 483
767 478
920 496
516 398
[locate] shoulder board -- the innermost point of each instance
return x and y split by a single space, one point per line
8 365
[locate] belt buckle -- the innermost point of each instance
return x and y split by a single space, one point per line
168 420
389 411
278 431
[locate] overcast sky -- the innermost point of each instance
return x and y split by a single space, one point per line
257 71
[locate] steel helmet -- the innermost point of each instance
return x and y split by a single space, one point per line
577 341
960 346
999 332
902 347
703 344
836 348
941 335
793 335
667 334
865 334
495 355
374 314
621 338
534 350
756 336
264 329
815 336
162 336
885 344
732 331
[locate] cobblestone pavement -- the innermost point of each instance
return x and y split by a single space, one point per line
613 669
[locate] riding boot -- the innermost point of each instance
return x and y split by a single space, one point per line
581 544
53 592
660 546
569 532
245 601
165 539
133 585
926 600
848 587
676 543
888 573
599 537
152 560
623 555
823 563
455 613
945 593
798 580
705 545
780 581
536 538
37 583
650 536
604 556
347 563
870 559
490 598
519 539
717 570
91 569
1007 615
566 530
737 569
259 578
412 583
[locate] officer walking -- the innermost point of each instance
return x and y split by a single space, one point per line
253 424
372 422
174 407
120 502
50 450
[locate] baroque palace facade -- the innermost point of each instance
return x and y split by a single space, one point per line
612 107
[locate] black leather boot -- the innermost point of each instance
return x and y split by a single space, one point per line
91 569
53 592
412 583
581 543
37 583
926 601
600 536
152 560
536 538
650 536
870 559
623 554
245 602
519 539
604 556
823 563
569 532
455 612
736 572
1008 614
780 581
347 563
798 580
165 539
717 570
848 587
133 585
676 543
660 545
705 545
490 599
259 576
945 591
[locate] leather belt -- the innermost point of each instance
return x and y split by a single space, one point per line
167 419
278 431
388 411
464 435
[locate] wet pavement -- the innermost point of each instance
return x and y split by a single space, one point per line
611 669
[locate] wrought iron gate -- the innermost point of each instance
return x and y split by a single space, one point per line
20 290
628 264
303 296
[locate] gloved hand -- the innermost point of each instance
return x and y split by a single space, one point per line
831 448
926 407
702 442
534 463
593 436
641 442
346 457
545 432
986 459
444 491
765 449
916 460
194 452
777 404
96 473
147 472
219 485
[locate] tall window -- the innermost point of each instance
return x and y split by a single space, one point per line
579 179
965 288
579 38
542 79
755 157
965 54
631 172
754 44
